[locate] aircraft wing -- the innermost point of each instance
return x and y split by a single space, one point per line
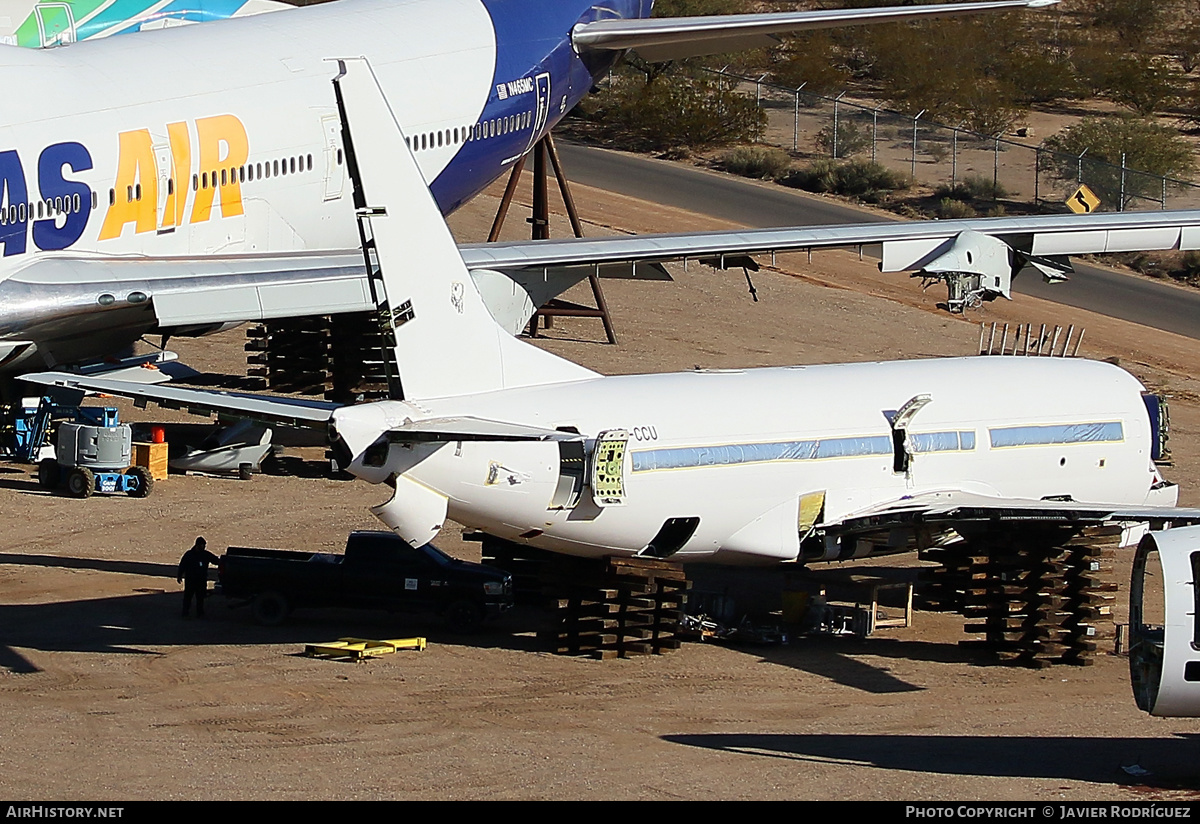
186 291
180 293
673 38
984 253
296 412
956 507
946 512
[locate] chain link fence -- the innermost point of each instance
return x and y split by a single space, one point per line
935 154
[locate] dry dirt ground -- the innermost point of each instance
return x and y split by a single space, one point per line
107 694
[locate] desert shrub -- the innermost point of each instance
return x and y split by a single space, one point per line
763 162
973 187
820 176
851 139
854 178
811 60
1144 84
1150 150
674 111
949 209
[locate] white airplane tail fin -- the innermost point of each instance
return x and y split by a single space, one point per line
446 343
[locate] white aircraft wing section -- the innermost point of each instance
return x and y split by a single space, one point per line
276 410
467 428
976 258
673 38
956 507
906 244
185 291
298 412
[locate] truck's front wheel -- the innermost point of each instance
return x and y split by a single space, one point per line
270 608
463 616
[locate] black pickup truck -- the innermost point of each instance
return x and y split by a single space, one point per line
379 571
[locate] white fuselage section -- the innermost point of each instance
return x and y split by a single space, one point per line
740 449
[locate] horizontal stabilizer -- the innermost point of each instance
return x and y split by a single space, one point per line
445 430
674 38
287 411
159 367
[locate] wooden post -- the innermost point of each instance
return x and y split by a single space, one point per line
540 230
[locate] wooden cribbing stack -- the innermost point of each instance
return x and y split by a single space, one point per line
600 607
1035 602
615 607
289 355
340 357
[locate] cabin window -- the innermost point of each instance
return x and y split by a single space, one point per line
58 204
204 180
22 212
310 163
170 186
128 194
94 200
339 157
224 177
455 134
292 164
76 201
195 183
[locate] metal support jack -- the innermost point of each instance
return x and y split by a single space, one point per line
540 223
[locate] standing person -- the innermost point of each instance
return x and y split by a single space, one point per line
193 574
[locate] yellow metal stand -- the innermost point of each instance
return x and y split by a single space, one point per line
359 649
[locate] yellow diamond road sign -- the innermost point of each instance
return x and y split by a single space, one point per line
1084 201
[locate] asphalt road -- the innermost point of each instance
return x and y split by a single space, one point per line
1157 305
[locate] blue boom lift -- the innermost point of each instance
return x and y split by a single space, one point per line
92 452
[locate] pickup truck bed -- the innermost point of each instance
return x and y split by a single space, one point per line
378 571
